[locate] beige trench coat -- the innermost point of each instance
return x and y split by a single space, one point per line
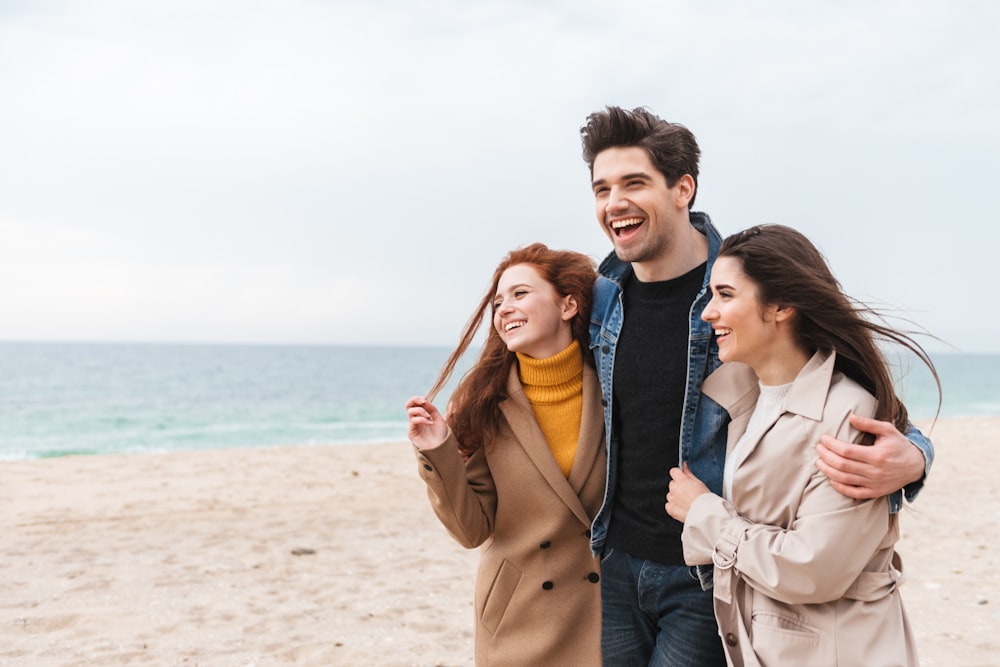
803 574
537 598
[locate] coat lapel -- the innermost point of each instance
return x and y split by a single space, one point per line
517 411
591 429
734 386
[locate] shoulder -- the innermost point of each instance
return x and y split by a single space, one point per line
610 278
611 268
847 395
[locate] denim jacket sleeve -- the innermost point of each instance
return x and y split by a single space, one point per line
926 447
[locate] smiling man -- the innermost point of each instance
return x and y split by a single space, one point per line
653 351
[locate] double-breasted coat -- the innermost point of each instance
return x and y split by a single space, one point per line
803 574
537 593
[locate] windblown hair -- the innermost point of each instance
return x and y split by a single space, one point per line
671 147
474 408
789 270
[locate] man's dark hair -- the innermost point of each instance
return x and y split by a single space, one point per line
671 147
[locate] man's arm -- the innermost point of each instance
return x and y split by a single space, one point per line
893 462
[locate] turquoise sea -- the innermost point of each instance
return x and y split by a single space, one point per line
86 398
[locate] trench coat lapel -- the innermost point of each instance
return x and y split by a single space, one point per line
517 411
734 386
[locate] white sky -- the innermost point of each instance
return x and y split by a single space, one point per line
337 172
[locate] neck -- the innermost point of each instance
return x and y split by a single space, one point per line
685 251
782 363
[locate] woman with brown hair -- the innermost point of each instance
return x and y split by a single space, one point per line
518 466
803 575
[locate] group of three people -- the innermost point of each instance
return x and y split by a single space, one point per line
662 460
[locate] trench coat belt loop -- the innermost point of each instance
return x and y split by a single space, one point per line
724 557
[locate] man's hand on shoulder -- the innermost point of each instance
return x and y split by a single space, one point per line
870 471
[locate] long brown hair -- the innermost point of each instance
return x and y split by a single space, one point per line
474 408
789 270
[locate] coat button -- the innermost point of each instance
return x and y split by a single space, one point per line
547 585
593 577
605 349
545 545
730 639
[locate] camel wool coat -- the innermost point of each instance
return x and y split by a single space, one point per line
802 574
537 595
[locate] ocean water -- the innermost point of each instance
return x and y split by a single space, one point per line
58 399
62 398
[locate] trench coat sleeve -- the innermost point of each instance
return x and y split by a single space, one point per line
462 494
814 560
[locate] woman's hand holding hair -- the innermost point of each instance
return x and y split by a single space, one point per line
427 427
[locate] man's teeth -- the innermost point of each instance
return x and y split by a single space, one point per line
723 332
513 325
627 222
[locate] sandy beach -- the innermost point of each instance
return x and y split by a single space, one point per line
331 556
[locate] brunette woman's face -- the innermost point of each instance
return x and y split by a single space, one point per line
530 316
744 327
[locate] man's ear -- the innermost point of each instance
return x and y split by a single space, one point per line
569 307
685 191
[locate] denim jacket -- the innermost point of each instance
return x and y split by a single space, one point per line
704 422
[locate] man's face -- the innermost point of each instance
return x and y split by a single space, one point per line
636 208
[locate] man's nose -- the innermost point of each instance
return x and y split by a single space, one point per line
617 201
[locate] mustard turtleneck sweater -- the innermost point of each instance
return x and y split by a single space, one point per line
554 387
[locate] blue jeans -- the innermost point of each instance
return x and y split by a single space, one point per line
656 615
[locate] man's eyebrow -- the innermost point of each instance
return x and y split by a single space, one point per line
627 177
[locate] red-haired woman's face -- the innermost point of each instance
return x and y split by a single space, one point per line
529 314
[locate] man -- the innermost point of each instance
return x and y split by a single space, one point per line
652 352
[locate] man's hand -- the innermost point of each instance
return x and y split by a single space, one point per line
870 471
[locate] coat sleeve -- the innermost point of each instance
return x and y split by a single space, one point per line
814 560
462 494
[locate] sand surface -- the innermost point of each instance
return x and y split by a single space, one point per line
331 556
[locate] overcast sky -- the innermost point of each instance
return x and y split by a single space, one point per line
351 172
